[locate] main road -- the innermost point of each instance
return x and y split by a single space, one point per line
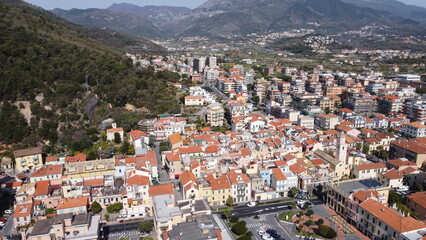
245 211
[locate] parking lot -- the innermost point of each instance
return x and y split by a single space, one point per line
265 222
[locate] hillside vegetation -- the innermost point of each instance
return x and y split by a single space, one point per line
63 73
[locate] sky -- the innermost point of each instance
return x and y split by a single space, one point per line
83 4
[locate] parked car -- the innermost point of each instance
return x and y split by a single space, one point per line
8 211
267 237
402 188
251 204
301 202
3 220
261 232
275 235
2 224
271 231
144 235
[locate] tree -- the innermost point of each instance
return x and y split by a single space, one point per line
234 219
93 154
403 208
96 207
358 146
50 211
327 110
125 147
256 99
107 217
244 238
227 213
309 223
239 228
293 205
13 128
320 221
117 138
115 208
309 213
145 227
230 201
326 231
394 198
294 191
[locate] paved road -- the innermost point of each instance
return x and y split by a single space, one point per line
164 177
116 231
269 221
244 211
7 229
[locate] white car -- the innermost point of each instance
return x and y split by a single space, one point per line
261 232
8 211
2 224
267 237
301 202
402 188
251 204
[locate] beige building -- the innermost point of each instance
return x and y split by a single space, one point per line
378 221
216 191
28 159
194 101
326 121
90 169
215 115
306 122
364 171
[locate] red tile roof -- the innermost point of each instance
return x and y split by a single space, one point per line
278 174
391 217
81 157
72 203
162 189
370 166
137 180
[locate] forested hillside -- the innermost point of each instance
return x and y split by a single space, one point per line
55 71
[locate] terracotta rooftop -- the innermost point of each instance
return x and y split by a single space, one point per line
72 203
369 166
391 217
162 189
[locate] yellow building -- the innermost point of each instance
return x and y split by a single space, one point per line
216 191
28 159
90 169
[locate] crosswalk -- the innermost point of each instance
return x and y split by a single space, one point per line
124 234
259 226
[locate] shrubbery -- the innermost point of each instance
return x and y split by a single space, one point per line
326 232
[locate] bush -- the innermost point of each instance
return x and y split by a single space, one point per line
234 219
309 223
106 216
145 227
249 234
244 238
115 208
240 228
96 207
326 232
50 211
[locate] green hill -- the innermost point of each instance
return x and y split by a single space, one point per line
63 71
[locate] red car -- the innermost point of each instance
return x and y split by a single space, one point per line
3 220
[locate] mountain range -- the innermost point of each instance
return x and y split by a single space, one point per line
395 7
233 17
158 15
